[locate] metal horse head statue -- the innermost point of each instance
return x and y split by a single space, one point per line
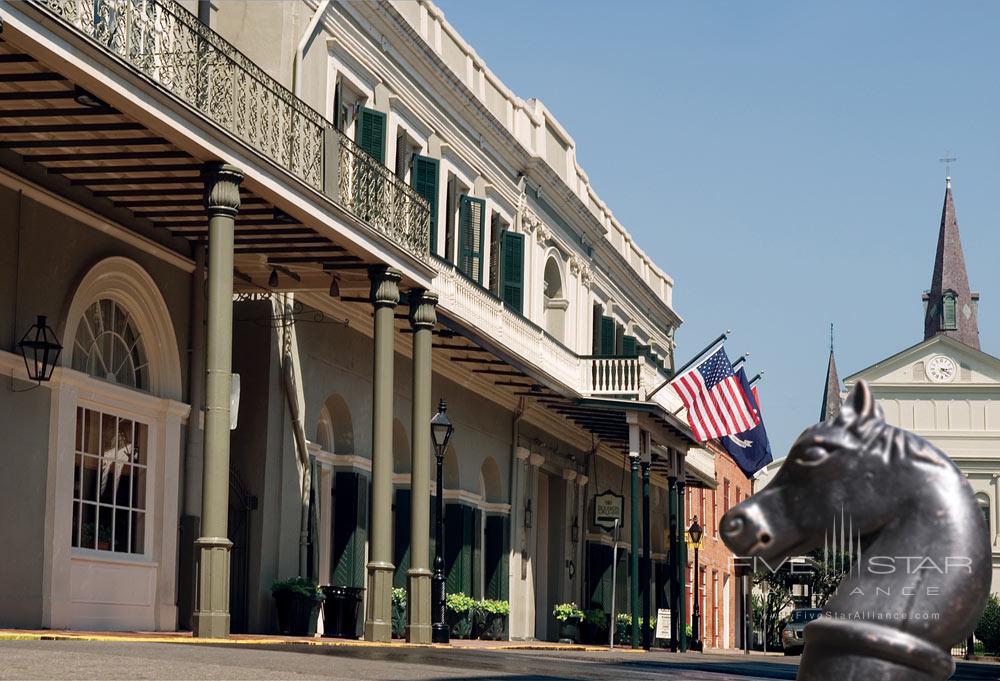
918 544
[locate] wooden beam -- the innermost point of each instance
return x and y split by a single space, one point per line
52 112
88 142
331 267
193 198
494 372
456 346
18 58
119 181
278 250
306 260
498 362
195 212
32 95
286 240
105 156
202 232
119 170
69 127
31 77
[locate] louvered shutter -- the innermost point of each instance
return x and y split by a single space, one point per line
371 133
512 271
471 227
350 529
453 548
619 340
629 347
607 337
596 329
424 179
493 553
476 568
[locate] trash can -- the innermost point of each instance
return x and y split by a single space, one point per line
353 597
341 611
333 611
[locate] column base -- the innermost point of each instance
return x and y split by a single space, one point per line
418 599
378 617
211 610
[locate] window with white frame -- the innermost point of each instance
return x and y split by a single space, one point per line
110 453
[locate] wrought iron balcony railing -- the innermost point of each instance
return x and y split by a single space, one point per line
170 46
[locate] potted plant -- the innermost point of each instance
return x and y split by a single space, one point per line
398 612
460 612
297 600
569 617
493 618
594 627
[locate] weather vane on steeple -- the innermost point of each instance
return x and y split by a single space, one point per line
947 161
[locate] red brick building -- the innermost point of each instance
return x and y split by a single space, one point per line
720 590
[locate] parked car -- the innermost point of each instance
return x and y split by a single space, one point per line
792 641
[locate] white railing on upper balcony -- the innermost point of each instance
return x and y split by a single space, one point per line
614 376
475 306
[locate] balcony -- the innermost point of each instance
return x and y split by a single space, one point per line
168 45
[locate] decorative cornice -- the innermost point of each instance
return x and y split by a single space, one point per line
222 188
423 308
385 285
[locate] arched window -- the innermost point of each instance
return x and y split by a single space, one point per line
949 316
554 300
108 346
984 505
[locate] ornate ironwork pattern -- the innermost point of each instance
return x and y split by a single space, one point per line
373 193
168 44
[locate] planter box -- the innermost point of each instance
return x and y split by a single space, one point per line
297 614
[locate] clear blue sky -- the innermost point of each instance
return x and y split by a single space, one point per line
778 159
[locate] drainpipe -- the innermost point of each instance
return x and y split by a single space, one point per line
300 49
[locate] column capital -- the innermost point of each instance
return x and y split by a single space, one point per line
582 479
222 187
385 285
568 474
423 308
522 453
536 459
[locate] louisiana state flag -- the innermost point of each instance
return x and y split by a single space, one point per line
751 450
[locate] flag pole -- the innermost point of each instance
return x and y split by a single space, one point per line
740 361
711 346
756 378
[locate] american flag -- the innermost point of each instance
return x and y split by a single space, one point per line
715 401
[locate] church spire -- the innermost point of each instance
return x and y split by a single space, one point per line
831 390
950 308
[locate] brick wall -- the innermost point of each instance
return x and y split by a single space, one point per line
718 586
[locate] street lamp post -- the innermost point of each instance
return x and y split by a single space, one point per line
441 430
694 534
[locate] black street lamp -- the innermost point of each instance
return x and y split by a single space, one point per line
441 430
694 536
40 349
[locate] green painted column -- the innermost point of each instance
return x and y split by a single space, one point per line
384 296
222 201
672 560
634 435
422 318
647 563
682 561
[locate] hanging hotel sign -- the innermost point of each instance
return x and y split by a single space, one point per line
608 508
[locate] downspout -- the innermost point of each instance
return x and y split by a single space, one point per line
300 49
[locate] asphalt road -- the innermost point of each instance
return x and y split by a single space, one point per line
93 660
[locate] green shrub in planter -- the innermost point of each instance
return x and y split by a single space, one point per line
398 613
492 618
623 628
594 627
460 613
988 629
297 601
569 617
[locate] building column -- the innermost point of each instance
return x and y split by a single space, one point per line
518 557
222 201
581 538
647 560
535 461
634 435
378 615
672 557
422 318
682 642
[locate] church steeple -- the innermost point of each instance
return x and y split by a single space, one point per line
950 307
831 390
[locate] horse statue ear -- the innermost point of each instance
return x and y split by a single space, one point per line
860 405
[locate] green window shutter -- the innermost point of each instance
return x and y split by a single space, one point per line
599 576
371 133
424 178
607 337
453 548
471 228
476 568
494 574
619 340
629 347
596 328
512 271
401 538
350 529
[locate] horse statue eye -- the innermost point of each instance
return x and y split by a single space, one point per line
812 456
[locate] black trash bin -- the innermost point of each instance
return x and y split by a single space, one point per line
353 596
333 611
341 611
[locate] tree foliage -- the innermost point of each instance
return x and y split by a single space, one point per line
988 629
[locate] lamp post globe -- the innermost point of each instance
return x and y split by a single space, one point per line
695 533
441 430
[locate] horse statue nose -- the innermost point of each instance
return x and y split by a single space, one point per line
740 532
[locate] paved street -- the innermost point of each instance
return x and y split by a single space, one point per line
98 660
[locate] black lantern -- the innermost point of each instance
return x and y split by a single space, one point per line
40 349
695 532
441 429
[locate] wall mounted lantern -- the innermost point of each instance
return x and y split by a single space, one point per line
40 349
